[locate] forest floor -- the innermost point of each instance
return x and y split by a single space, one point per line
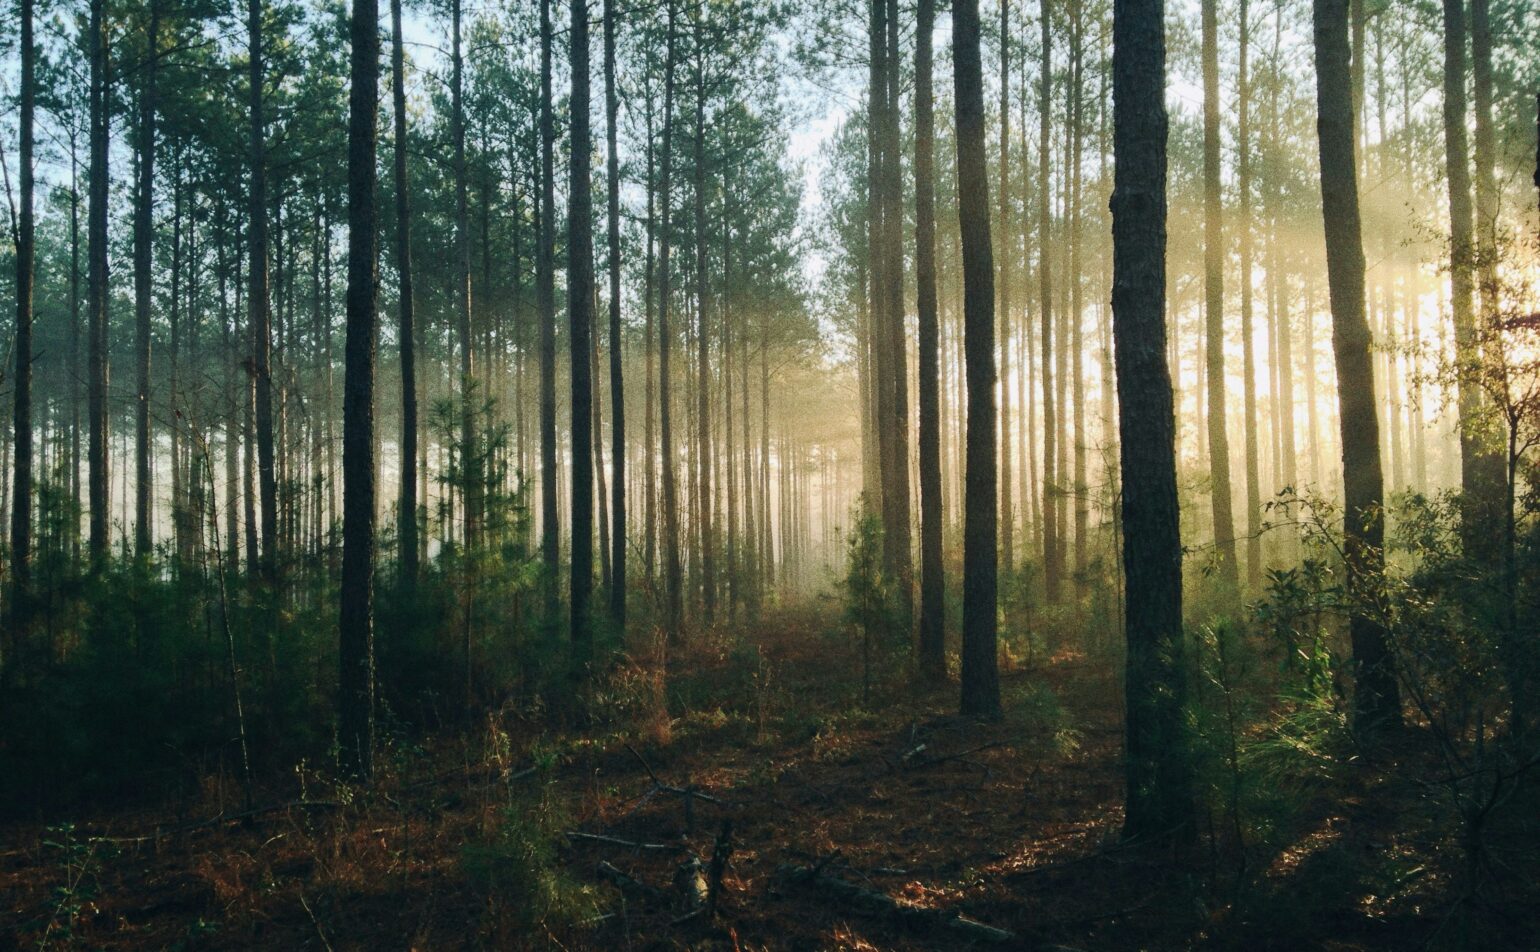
888 809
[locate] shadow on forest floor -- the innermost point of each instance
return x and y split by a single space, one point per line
1013 825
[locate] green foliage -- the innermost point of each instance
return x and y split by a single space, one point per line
79 859
870 595
519 874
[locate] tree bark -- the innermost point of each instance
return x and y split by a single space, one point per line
1248 344
580 307
96 289
257 302
932 628
144 225
1159 772
1480 465
1053 567
1213 313
407 506
980 675
356 626
545 293
617 591
1376 700
673 572
21 407
1003 229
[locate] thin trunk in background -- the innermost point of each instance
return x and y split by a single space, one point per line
96 289
932 628
580 308
617 591
144 211
21 417
407 505
545 294
1213 315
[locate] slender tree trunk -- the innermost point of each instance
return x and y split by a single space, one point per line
673 572
896 500
1213 313
980 677
144 210
545 293
1159 769
1480 473
1376 701
1053 568
407 505
1003 231
650 456
356 631
96 291
932 633
21 485
1248 344
261 328
617 383
470 453
704 457
580 306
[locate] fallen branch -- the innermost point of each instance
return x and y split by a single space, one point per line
659 786
627 844
961 754
877 903
223 818
630 885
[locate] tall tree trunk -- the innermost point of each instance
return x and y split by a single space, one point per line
21 485
673 580
144 224
1486 158
355 706
649 296
1053 567
980 675
617 383
703 456
1480 465
261 328
407 505
1248 344
545 293
896 501
932 633
1213 313
96 289
580 307
1003 230
1376 700
1158 767
470 453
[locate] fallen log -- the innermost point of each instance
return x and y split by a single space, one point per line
880 904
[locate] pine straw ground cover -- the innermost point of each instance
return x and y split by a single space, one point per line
462 842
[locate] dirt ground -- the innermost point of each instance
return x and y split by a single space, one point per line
910 816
